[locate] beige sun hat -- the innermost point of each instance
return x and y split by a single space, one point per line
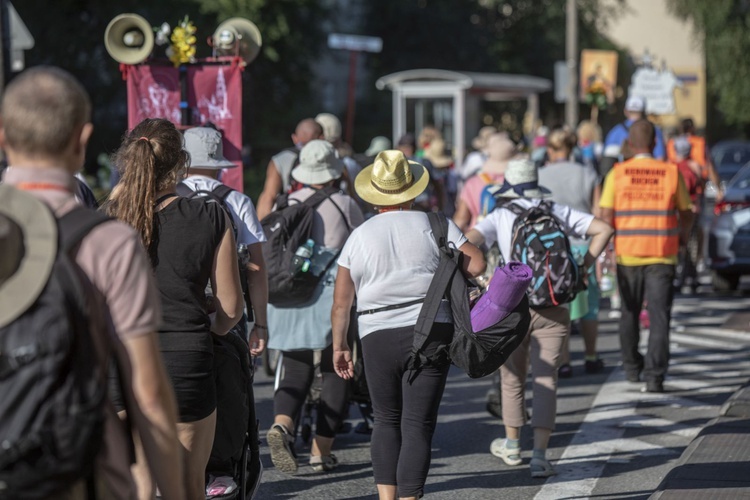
480 141
28 246
435 152
318 163
522 181
205 148
391 180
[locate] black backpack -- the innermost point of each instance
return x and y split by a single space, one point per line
219 195
53 389
478 353
286 229
539 241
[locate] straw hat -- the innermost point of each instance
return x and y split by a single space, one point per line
318 163
391 180
28 245
205 148
435 152
480 141
522 181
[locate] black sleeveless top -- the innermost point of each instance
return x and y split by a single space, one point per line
187 233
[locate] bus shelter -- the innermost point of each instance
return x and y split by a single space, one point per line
450 100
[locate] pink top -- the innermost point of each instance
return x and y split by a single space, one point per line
472 190
113 258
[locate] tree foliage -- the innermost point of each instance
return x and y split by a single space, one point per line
724 26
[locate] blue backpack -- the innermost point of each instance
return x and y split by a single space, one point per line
539 241
487 201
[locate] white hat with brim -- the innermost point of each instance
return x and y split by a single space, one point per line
635 103
318 164
522 181
28 243
205 148
391 180
378 144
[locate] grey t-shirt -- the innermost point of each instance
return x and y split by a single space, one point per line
572 185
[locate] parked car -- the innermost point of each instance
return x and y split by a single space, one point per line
728 158
729 234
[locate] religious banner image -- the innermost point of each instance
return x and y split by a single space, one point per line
598 77
153 92
215 97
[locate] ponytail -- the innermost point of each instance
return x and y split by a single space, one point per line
150 159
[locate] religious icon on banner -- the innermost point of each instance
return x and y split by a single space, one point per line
598 77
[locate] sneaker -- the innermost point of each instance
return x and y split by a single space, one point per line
280 443
511 456
325 463
219 486
540 467
565 371
596 366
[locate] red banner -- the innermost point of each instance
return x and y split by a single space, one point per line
214 95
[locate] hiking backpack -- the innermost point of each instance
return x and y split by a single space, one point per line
487 197
53 388
219 195
478 353
539 241
286 229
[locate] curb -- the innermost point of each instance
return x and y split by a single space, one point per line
732 413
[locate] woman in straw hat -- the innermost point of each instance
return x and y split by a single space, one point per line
190 243
549 325
390 261
303 328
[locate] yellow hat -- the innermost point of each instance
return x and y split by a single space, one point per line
391 180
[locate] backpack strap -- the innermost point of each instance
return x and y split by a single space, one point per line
447 268
222 191
76 224
185 191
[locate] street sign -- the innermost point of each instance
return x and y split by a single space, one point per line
20 39
561 81
355 43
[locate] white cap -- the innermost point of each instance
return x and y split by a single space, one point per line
635 103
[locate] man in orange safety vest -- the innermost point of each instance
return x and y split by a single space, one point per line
647 203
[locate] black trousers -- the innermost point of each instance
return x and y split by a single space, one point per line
405 412
299 373
652 283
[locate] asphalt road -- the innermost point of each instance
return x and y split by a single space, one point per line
611 441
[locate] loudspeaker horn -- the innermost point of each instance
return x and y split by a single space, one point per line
238 37
129 39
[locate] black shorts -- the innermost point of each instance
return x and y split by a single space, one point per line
192 377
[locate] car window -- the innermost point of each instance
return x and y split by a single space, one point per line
733 156
742 179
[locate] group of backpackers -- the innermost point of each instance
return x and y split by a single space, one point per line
153 298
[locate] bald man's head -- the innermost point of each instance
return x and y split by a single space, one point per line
43 110
642 136
306 131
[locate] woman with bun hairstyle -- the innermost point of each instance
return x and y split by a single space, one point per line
191 244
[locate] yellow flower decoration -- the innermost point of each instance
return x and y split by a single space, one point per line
183 43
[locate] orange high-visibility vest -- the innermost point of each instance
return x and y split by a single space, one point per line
697 150
645 212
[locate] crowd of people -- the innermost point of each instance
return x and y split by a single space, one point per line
181 261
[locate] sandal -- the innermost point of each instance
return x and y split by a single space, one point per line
540 467
325 463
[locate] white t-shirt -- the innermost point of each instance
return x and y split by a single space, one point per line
473 164
498 225
392 258
243 212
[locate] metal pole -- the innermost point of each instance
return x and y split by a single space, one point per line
571 56
3 34
351 96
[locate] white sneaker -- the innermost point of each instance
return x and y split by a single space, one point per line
511 456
